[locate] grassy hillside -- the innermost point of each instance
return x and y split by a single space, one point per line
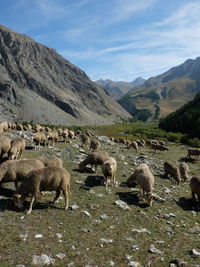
105 237
184 120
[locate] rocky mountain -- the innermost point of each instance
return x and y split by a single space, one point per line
117 89
165 93
39 85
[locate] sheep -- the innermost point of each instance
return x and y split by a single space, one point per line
17 170
85 139
159 147
71 134
109 168
140 143
134 145
65 134
19 127
162 143
52 136
193 152
173 171
38 139
143 176
39 128
195 187
17 148
54 161
183 169
95 145
44 179
5 145
3 127
94 158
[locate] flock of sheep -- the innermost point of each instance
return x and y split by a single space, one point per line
37 175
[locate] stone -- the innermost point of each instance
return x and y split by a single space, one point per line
42 259
121 204
154 250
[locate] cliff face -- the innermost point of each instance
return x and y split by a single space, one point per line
39 85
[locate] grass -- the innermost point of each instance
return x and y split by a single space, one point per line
81 234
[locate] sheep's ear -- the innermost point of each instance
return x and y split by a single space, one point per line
17 196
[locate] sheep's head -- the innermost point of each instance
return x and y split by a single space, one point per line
149 198
18 201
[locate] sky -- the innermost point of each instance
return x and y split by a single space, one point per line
111 39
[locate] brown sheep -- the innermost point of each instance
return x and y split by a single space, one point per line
54 161
143 176
3 127
173 171
45 179
52 136
71 134
94 158
95 145
85 139
159 147
19 127
38 139
193 152
134 145
195 187
64 135
17 170
109 169
5 145
183 169
17 148
39 128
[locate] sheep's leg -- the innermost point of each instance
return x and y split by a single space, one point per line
16 184
193 197
56 197
65 193
31 205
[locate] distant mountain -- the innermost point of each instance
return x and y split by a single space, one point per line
165 93
117 89
39 85
184 120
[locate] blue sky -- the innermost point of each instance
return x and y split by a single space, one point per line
111 39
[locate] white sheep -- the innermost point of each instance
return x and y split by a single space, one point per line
109 169
183 169
45 179
5 145
143 176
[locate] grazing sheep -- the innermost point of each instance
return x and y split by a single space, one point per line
195 187
17 147
162 143
52 136
159 147
183 169
140 143
17 170
95 145
173 171
71 134
38 139
54 161
5 145
85 139
39 128
19 127
193 152
109 169
3 127
45 179
143 176
134 145
94 158
64 135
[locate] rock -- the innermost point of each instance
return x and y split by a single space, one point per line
195 230
42 259
177 263
74 207
134 264
86 213
135 247
19 265
154 250
143 230
104 240
39 236
59 235
61 255
79 182
70 264
99 195
121 204
105 139
195 252
103 217
111 263
23 237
